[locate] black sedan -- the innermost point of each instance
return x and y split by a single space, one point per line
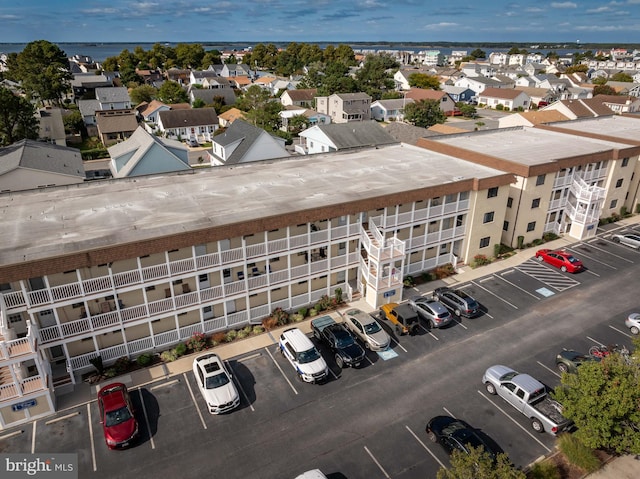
348 351
454 434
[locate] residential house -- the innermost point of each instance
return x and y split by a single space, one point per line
477 69
447 105
222 87
510 99
116 125
282 84
574 109
312 116
228 70
151 77
146 154
51 126
389 110
265 82
539 96
240 82
576 93
150 111
534 68
29 164
299 97
531 118
446 129
225 119
243 143
505 80
478 83
197 77
345 107
619 104
88 110
625 88
407 133
459 94
339 136
196 124
114 98
83 85
180 76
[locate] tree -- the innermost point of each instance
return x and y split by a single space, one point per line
198 103
17 118
189 55
424 113
297 123
423 80
603 90
73 122
172 92
43 70
143 93
477 53
602 400
576 68
622 76
468 111
478 464
375 77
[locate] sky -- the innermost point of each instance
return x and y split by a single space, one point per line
149 21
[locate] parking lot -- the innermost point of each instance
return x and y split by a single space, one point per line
369 422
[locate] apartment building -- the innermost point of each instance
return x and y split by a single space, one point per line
345 107
121 267
563 184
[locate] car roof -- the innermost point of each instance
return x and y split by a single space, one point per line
112 395
405 309
298 340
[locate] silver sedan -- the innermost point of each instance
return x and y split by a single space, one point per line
628 239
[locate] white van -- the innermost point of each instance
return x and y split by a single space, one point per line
303 355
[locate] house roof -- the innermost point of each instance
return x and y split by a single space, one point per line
304 94
406 133
38 155
537 117
502 93
88 107
205 94
240 80
353 96
186 118
112 95
446 129
116 123
586 108
265 80
356 134
394 104
202 74
146 109
533 91
242 132
231 115
51 123
615 99
424 94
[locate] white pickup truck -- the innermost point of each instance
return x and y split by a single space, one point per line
529 396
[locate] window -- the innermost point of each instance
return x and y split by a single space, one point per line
540 180
484 242
488 217
619 183
492 192
505 226
625 162
535 203
531 226
509 202
613 204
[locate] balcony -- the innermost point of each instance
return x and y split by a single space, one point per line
22 387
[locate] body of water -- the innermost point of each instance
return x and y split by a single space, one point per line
100 51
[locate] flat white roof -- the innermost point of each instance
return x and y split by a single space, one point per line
38 224
614 125
528 146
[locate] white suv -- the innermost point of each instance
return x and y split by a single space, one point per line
215 383
303 355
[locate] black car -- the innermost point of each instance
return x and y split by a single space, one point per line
348 351
459 302
568 360
454 434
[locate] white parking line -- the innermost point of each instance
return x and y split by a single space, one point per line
610 253
399 345
460 323
62 418
377 463
281 371
494 294
247 358
595 341
449 412
425 447
93 447
514 421
591 272
237 383
517 287
169 383
591 258
11 434
195 403
146 419
552 371
621 332
33 438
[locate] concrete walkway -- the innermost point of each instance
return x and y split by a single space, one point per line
625 467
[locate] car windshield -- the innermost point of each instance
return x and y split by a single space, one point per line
571 259
343 341
308 356
113 418
217 381
508 376
371 328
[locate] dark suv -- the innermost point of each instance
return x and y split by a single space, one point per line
459 302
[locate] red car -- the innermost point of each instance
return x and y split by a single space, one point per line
116 416
560 259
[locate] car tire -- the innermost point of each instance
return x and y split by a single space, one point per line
540 258
616 240
316 334
339 361
399 331
367 346
563 269
537 425
432 436
634 330
491 389
562 367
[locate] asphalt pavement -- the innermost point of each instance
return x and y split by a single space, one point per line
83 393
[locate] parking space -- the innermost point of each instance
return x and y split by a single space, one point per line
549 278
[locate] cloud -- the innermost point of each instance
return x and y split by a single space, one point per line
9 17
599 9
100 11
440 26
533 10
602 28
564 5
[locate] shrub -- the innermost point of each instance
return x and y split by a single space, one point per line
615 217
231 335
296 318
269 323
313 312
444 271
324 303
281 316
338 292
409 282
110 373
479 260
537 241
97 363
303 312
496 250
520 241
426 276
550 236
122 364
168 355
577 453
500 107
242 333
544 470
623 211
219 337
197 342
638 208
318 307
180 349
257 330
144 359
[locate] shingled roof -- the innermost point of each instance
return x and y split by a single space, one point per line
187 118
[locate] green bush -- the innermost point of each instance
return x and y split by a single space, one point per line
426 276
479 260
242 333
197 342
296 318
110 373
550 236
544 470
537 242
338 292
577 453
499 107
231 335
520 241
168 355
623 211
257 330
180 349
122 364
281 316
313 312
94 154
144 359
638 208
303 312
409 282
496 250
